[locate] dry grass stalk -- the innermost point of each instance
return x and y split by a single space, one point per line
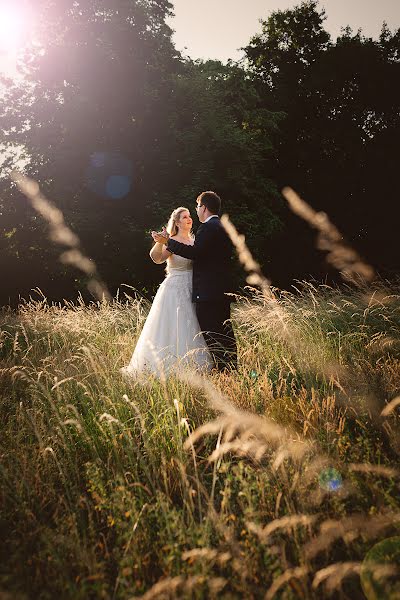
349 529
217 400
286 524
275 318
389 408
296 573
376 469
170 587
244 433
269 313
333 575
340 255
256 276
283 323
166 587
207 554
382 570
60 233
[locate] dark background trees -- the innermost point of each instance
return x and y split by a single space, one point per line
338 145
119 129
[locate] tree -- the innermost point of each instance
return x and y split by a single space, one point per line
224 141
120 130
338 141
91 103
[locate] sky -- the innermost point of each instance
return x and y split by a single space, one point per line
217 28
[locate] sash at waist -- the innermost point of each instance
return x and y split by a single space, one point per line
179 272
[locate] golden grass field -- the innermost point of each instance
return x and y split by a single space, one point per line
277 481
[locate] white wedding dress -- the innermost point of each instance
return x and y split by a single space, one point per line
171 339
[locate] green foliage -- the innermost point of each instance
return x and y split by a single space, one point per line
99 81
111 83
300 109
291 41
338 142
224 141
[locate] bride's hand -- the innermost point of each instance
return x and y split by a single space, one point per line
161 238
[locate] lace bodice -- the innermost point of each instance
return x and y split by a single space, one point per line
178 263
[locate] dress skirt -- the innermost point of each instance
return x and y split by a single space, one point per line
171 339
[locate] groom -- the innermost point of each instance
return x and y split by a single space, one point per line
212 278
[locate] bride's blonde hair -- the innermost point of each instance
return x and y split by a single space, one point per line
172 226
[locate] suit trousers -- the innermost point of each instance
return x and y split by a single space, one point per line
216 326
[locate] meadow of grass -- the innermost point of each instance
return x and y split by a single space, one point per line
278 481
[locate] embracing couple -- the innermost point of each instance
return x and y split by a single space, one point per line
189 321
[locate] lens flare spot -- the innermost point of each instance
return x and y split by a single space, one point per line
330 480
118 186
109 175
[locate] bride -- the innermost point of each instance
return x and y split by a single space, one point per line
171 336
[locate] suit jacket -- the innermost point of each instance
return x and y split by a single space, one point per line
212 262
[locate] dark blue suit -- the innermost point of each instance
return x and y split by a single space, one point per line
212 279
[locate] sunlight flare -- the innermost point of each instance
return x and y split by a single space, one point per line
15 22
13 27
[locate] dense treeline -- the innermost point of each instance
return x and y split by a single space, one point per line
119 129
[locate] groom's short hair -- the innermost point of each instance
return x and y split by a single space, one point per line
210 200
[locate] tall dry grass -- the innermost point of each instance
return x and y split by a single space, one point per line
279 481
221 487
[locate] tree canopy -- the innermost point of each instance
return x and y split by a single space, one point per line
118 128
338 142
